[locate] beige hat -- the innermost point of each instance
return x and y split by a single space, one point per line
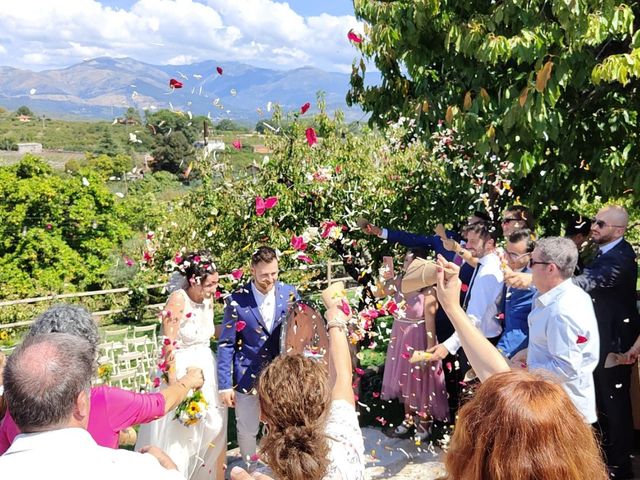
334 294
421 273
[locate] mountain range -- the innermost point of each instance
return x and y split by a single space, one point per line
103 88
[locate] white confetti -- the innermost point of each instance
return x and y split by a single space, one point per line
32 91
85 182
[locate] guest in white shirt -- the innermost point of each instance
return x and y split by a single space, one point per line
519 424
563 332
47 383
484 289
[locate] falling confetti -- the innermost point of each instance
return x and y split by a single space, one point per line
173 83
312 139
354 37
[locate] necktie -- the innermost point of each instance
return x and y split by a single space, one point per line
467 297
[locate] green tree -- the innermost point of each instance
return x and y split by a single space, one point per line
226 125
170 137
107 145
57 231
132 116
24 110
116 165
551 87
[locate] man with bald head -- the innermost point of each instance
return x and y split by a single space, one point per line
47 381
610 279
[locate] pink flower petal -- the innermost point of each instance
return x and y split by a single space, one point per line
240 324
354 37
173 83
581 339
298 243
237 144
237 273
260 207
219 70
270 202
304 258
304 108
312 138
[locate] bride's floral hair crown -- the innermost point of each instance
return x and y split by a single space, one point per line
195 265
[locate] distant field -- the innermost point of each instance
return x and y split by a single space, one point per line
64 140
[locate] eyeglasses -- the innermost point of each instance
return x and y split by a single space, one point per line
601 224
533 262
509 220
516 256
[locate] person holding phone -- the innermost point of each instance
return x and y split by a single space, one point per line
419 386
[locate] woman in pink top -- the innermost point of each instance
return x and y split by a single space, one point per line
420 386
112 409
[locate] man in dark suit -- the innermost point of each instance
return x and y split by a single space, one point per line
610 279
250 339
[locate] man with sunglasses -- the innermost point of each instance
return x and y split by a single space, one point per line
516 217
563 331
515 303
610 279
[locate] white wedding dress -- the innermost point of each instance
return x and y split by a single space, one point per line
195 448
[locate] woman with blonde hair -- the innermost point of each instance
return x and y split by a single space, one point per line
519 425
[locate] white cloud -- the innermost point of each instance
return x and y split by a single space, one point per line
41 34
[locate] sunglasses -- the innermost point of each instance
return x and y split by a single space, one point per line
533 262
602 224
509 220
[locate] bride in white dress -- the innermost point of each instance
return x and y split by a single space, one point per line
187 324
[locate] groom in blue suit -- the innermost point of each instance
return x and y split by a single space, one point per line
250 339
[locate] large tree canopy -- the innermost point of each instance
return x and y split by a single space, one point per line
551 86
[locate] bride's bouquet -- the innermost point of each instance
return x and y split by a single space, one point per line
192 409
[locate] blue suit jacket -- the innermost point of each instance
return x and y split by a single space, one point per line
244 352
431 242
444 328
516 307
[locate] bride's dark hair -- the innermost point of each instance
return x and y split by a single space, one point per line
295 395
197 265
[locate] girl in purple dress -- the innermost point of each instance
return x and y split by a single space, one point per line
420 386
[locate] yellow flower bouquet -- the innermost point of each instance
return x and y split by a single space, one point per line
192 409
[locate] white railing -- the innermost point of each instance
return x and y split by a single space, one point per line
328 280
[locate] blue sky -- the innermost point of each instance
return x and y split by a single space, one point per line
42 34
303 7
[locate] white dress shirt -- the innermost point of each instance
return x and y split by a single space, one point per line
71 454
266 305
485 287
564 340
605 248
